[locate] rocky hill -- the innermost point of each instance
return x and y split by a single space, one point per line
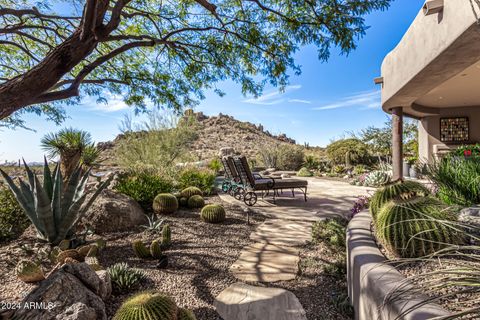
217 132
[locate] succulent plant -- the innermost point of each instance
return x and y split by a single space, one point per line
304 172
93 251
69 260
165 203
183 202
398 190
148 305
191 191
213 213
94 263
123 277
70 253
196 201
54 208
166 236
185 314
156 249
28 271
377 178
141 250
416 227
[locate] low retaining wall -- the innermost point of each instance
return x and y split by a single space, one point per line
370 279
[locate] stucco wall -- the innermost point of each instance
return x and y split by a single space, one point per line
429 130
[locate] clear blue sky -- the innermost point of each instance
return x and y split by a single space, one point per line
325 101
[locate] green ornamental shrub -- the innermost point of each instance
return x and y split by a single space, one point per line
304 172
416 227
13 220
148 305
165 203
196 201
398 190
203 179
191 191
354 150
331 231
213 213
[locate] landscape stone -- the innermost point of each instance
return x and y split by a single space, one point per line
113 212
246 302
283 232
262 262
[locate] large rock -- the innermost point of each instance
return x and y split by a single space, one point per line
226 151
112 212
73 292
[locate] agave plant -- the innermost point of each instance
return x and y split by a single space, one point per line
53 208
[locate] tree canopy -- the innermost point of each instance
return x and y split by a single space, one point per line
53 52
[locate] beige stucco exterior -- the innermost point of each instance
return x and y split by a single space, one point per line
434 72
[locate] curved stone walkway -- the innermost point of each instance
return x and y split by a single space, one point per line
274 256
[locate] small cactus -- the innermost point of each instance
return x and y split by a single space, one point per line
147 305
185 314
166 236
141 250
156 249
70 253
416 227
29 272
196 201
377 178
94 263
399 190
183 202
165 203
191 191
213 213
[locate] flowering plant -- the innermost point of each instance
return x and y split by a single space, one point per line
360 204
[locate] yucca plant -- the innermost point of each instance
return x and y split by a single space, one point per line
53 208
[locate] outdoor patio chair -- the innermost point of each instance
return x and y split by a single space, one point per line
249 185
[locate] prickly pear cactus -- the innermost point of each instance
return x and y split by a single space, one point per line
213 213
141 250
191 191
166 236
29 272
165 203
156 249
148 305
196 201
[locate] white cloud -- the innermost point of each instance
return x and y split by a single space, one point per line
112 103
364 100
272 97
299 101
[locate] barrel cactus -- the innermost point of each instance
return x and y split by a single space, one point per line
196 201
191 191
183 202
416 227
165 203
166 236
156 249
377 178
148 305
399 190
185 314
213 213
141 250
28 271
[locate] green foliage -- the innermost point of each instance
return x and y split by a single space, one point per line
165 203
282 156
204 179
156 249
141 250
332 231
311 162
467 151
457 180
191 191
377 178
153 225
213 213
147 305
215 165
29 271
185 314
123 277
416 227
196 201
357 151
304 172
359 169
54 208
13 220
398 190
143 186
338 169
166 236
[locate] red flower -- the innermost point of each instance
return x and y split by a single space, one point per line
467 153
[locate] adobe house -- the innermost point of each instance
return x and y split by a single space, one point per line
433 75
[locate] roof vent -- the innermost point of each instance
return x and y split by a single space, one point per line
432 7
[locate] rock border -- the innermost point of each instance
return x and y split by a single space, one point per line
370 278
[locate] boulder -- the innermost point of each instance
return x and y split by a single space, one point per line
226 151
112 212
72 292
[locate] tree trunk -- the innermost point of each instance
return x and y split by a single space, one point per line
68 164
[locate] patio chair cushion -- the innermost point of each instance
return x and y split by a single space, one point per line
266 184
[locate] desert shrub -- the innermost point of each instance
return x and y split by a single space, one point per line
311 163
123 277
268 156
13 221
359 169
338 169
204 179
304 172
416 227
282 156
353 151
457 180
143 186
215 165
332 231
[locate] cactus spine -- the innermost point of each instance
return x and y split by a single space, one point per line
191 191
165 203
141 250
156 249
196 201
213 213
166 236
147 305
